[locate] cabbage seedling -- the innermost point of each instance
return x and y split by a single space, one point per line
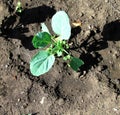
55 45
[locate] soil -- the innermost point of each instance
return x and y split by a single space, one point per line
93 90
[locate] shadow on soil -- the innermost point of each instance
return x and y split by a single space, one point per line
90 46
90 54
88 49
111 31
16 26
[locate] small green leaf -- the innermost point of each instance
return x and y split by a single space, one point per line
67 46
75 63
67 57
41 63
41 40
59 44
44 28
19 7
59 53
61 25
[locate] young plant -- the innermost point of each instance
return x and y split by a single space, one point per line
19 7
55 45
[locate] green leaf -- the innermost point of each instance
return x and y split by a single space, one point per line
75 63
61 25
41 63
41 40
59 53
44 28
67 57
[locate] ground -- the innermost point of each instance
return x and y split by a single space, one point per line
93 90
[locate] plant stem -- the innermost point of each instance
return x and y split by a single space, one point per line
65 51
53 39
56 41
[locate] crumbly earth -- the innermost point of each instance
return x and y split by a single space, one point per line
93 90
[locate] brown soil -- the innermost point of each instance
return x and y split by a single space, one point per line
94 90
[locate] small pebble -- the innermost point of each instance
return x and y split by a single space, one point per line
42 100
115 109
22 92
106 1
82 100
87 33
60 101
22 63
6 66
19 100
81 14
99 68
84 72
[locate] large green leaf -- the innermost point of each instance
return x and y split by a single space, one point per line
61 25
41 63
75 63
41 39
